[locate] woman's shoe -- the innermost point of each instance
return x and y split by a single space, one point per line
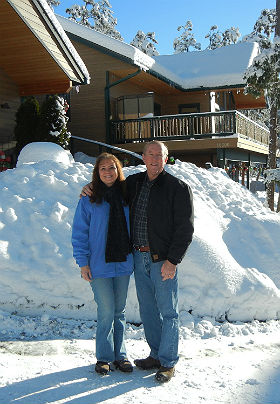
102 368
123 365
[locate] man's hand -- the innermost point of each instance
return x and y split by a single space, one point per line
168 270
86 191
85 273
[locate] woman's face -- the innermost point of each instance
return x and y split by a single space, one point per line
108 172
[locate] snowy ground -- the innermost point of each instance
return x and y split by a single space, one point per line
47 317
45 360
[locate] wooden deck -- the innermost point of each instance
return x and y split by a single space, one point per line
189 126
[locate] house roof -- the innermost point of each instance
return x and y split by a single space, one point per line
35 52
118 48
222 67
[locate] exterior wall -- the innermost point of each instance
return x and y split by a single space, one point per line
8 95
88 106
170 104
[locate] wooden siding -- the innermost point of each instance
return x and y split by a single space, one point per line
29 52
88 106
38 26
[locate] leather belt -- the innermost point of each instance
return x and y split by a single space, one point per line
141 248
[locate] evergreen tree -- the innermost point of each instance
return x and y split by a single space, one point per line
262 77
186 40
27 118
215 38
53 121
97 15
218 39
145 42
230 36
53 3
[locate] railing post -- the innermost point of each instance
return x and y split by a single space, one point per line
234 129
152 132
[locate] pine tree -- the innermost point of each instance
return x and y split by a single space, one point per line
53 121
27 118
215 38
53 3
262 77
186 40
97 15
218 39
145 42
230 36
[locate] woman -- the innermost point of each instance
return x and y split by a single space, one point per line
101 247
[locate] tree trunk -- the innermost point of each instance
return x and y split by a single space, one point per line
278 204
277 27
273 125
272 153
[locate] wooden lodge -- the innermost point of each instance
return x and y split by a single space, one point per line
36 58
134 98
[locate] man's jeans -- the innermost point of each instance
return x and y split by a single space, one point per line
110 295
158 303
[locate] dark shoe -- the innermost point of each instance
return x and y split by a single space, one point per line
147 363
164 374
123 365
102 368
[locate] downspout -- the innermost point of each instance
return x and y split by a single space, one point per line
107 99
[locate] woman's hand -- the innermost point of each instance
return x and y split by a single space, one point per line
86 191
85 273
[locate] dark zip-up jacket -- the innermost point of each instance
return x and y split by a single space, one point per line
169 213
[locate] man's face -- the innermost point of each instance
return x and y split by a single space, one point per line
155 160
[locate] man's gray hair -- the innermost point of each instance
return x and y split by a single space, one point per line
161 144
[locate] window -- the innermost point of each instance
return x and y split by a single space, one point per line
135 106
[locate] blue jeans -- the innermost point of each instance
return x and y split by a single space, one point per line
110 296
158 304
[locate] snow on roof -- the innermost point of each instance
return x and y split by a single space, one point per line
65 39
136 56
221 67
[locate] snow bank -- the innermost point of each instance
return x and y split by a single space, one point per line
230 270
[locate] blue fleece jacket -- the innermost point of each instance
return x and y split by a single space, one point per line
89 234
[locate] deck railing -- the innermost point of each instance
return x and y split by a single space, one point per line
187 126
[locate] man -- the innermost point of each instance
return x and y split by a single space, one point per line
161 211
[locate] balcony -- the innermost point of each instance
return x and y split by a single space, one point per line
188 126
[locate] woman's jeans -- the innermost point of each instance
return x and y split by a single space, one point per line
158 303
110 295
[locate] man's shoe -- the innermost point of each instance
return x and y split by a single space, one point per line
124 365
147 363
102 368
164 374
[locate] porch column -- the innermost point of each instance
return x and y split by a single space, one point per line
212 96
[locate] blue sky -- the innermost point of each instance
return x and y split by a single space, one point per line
164 16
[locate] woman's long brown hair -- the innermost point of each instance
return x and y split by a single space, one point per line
97 184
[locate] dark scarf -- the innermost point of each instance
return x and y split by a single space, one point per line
118 244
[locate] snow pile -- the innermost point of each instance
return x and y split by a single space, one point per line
40 151
230 270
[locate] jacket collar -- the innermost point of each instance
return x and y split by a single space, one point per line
157 180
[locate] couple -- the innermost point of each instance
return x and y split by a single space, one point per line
159 209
